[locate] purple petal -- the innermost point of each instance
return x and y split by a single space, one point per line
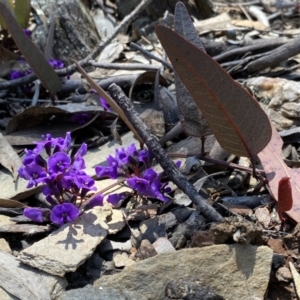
139 184
114 199
64 213
58 162
56 63
67 143
34 173
84 182
178 163
34 214
27 32
104 104
97 201
82 150
78 164
81 119
150 174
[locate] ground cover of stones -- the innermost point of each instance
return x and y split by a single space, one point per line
146 249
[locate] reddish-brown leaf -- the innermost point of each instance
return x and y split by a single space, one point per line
276 170
233 115
285 198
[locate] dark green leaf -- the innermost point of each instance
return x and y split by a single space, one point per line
34 57
22 11
192 120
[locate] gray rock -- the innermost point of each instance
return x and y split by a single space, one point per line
4 246
168 219
249 268
91 293
182 213
122 260
151 229
187 229
163 245
108 245
67 248
116 222
145 250
190 288
31 283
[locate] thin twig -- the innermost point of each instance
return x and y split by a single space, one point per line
150 55
124 66
217 161
278 55
84 62
167 164
272 43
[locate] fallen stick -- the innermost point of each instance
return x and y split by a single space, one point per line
167 164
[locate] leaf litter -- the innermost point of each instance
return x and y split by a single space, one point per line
245 131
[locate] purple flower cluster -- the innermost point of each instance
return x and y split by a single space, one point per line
135 166
65 184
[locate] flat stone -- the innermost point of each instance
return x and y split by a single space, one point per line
4 246
151 229
5 220
67 248
31 283
284 274
91 293
117 222
163 245
121 260
108 245
232 271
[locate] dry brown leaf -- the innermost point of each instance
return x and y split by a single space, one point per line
9 159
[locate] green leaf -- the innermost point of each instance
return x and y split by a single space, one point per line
22 11
10 6
33 56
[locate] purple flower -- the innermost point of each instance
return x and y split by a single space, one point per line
110 171
56 63
149 185
27 32
82 150
59 162
128 156
83 181
67 143
81 119
48 143
142 186
64 213
15 74
96 201
114 199
104 104
78 164
178 163
144 156
34 214
34 173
